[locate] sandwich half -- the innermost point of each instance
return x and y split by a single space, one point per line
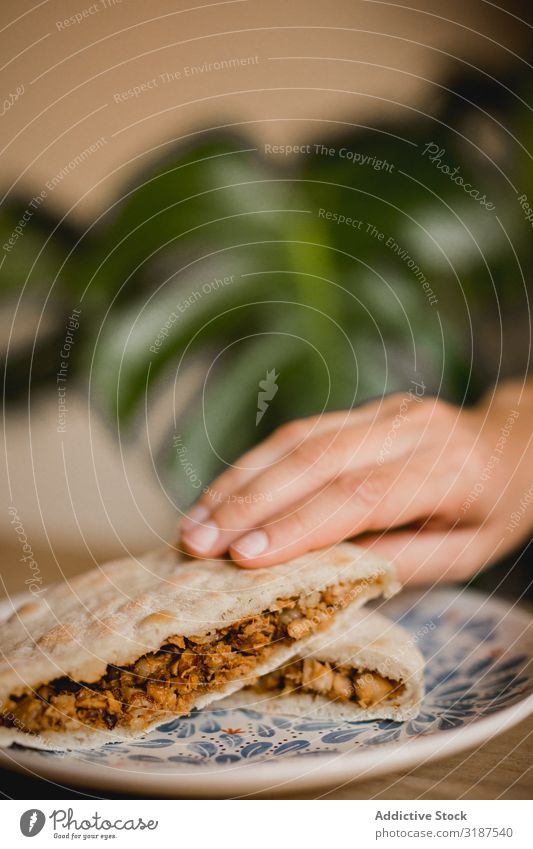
363 667
115 651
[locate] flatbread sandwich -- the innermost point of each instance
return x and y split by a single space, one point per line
119 649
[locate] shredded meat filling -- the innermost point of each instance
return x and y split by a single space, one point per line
172 678
339 683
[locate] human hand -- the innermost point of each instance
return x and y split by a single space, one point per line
412 478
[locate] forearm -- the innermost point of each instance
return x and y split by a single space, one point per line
505 417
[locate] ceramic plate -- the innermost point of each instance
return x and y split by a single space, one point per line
479 681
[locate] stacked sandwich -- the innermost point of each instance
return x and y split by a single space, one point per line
124 647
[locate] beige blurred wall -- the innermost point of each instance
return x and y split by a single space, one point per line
311 66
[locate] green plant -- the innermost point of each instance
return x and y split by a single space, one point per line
242 263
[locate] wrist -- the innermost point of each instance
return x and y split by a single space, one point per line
503 419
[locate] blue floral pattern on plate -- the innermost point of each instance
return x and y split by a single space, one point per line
477 654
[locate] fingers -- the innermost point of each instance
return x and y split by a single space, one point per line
379 436
273 449
353 503
286 483
341 509
305 466
309 467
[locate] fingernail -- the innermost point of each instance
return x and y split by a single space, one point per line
202 537
252 544
195 515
